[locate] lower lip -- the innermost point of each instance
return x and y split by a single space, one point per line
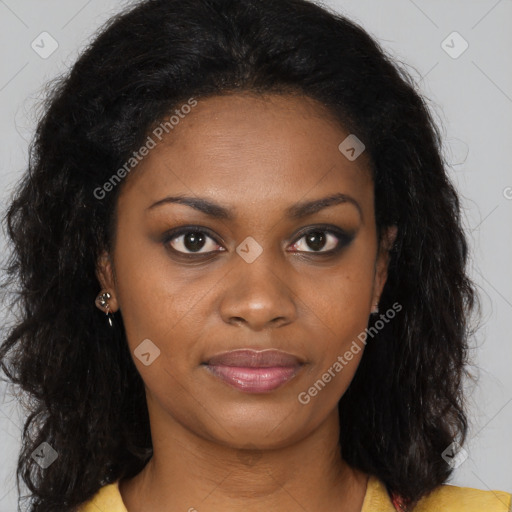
254 380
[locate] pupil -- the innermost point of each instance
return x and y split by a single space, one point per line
194 241
315 240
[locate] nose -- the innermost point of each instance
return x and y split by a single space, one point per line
258 295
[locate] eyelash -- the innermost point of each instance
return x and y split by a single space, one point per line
344 239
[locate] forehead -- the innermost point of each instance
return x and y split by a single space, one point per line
250 148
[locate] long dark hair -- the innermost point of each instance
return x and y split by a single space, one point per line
87 401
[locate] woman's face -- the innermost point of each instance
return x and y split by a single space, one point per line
246 274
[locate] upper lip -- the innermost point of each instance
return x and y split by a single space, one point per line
255 358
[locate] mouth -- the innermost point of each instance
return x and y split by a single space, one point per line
254 371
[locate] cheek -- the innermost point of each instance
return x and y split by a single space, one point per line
164 304
342 304
347 291
146 299
344 316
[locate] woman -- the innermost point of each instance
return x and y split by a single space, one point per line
243 274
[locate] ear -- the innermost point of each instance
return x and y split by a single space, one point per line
382 262
106 278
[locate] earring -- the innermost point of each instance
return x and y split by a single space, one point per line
375 309
102 303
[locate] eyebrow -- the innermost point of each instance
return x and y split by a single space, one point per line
295 212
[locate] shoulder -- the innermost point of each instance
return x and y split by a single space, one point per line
448 498
107 499
464 499
445 498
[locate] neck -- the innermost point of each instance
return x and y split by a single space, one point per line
190 472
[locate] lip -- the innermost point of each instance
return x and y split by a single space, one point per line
254 371
250 358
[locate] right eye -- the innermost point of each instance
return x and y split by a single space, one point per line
190 239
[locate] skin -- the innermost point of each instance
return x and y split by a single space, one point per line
217 448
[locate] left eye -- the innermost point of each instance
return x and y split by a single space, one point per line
320 240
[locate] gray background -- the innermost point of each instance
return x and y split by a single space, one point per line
471 98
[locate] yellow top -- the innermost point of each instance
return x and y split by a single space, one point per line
446 498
